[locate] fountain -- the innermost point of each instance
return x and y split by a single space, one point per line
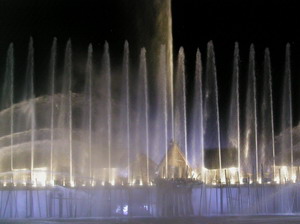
107 143
61 148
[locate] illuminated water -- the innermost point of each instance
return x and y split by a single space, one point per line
198 220
92 151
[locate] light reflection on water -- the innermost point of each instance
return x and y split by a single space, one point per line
279 219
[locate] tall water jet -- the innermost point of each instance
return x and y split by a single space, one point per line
169 44
127 106
107 74
197 140
30 96
180 104
250 130
69 116
89 70
287 118
266 140
144 86
212 141
252 73
7 98
158 17
163 35
272 112
234 136
163 93
52 93
10 73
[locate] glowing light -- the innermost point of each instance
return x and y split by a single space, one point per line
259 180
232 170
141 183
194 174
4 184
125 210
113 182
92 183
39 176
232 180
284 171
122 210
72 184
51 182
241 181
232 173
294 178
223 179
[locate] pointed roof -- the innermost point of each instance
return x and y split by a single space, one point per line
174 156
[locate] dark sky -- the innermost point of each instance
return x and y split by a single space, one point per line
195 22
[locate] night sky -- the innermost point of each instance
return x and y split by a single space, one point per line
195 22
